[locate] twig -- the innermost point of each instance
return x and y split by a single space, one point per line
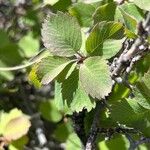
132 142
142 140
90 145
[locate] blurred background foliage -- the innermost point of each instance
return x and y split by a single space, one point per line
20 40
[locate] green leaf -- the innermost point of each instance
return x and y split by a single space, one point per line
62 5
130 15
5 75
132 10
116 142
33 78
142 92
130 22
82 100
143 4
76 98
50 67
61 34
29 45
105 12
19 144
83 12
10 54
95 77
102 32
3 38
132 114
146 79
73 142
49 111
51 2
61 103
71 96
63 130
111 47
72 68
142 95
143 66
126 111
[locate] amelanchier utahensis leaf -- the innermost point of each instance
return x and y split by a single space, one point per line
100 33
95 77
50 67
61 34
143 4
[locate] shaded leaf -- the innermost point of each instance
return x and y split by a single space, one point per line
105 12
70 95
82 101
19 144
29 45
49 111
83 12
63 130
102 32
146 79
142 95
62 5
72 68
129 112
116 142
73 142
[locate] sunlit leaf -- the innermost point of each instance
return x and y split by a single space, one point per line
111 47
95 77
33 78
143 4
21 124
50 67
61 34
51 2
101 32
